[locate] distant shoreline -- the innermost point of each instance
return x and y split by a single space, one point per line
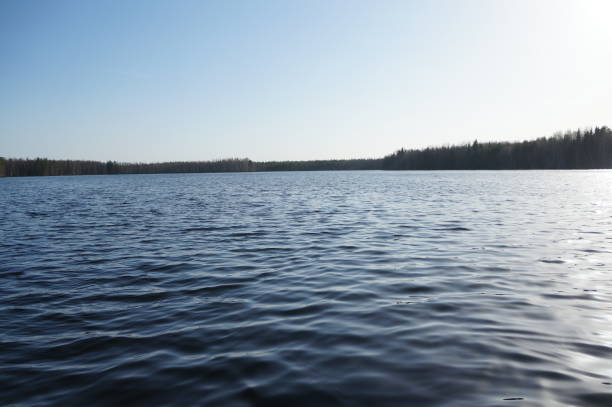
580 149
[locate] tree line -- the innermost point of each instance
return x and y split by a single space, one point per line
578 149
321 165
42 167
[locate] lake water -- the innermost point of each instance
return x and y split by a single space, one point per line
318 288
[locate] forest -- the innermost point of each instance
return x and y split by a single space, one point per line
320 165
578 149
41 166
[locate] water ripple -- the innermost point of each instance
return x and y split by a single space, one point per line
331 289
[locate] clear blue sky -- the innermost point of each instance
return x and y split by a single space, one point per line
158 80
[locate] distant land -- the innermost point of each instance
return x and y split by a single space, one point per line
579 149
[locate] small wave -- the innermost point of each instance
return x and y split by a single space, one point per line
596 399
454 229
208 228
247 234
552 261
35 214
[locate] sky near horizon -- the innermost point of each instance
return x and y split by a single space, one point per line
151 80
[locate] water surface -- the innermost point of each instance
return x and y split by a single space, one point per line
318 288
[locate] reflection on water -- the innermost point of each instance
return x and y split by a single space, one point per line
343 288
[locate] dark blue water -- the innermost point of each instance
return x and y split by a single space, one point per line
321 288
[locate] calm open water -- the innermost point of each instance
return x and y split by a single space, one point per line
317 288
